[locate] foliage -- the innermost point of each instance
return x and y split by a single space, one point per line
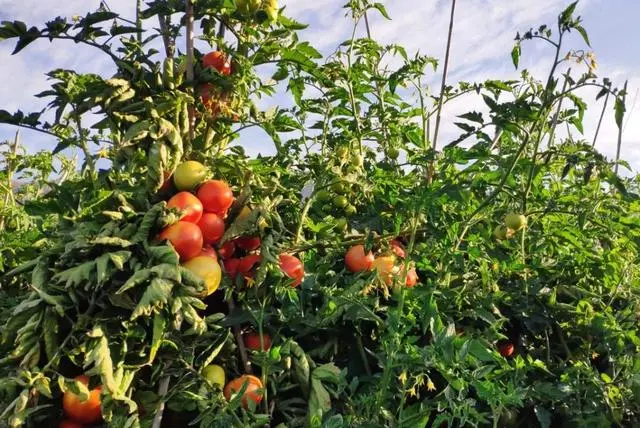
354 163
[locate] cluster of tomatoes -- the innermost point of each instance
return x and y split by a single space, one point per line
512 223
203 206
385 265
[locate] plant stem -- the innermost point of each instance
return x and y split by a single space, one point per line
139 20
238 335
190 71
162 392
11 164
604 109
444 79
303 217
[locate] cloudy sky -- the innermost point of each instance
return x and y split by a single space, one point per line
483 37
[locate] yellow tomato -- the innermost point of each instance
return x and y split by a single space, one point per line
515 221
188 175
207 269
386 268
214 374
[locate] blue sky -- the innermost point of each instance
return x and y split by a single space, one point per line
483 37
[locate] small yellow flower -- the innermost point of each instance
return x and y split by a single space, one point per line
594 355
412 392
430 385
403 377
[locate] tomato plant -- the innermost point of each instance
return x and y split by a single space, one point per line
420 253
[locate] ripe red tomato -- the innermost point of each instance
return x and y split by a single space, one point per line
190 206
212 227
247 264
412 278
227 250
248 243
398 249
185 237
70 424
217 60
253 391
356 260
216 197
208 251
231 266
86 412
506 349
292 267
252 341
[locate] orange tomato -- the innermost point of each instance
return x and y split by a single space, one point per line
189 205
293 268
252 341
412 278
86 412
208 270
217 60
252 393
185 237
356 260
398 249
216 197
212 227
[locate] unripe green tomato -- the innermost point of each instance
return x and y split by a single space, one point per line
503 232
214 374
393 153
351 210
323 196
342 151
327 208
515 221
340 201
341 223
339 187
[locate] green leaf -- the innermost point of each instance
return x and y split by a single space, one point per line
584 34
515 55
382 10
155 297
159 328
620 110
99 356
566 15
50 332
137 278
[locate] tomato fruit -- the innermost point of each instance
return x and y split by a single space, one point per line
342 151
188 175
323 195
340 201
339 187
227 250
506 349
214 374
351 210
216 197
356 260
398 249
212 227
207 269
247 264
385 268
70 424
217 60
502 232
252 341
185 237
412 278
515 221
252 392
189 205
248 243
292 267
86 412
231 266
208 251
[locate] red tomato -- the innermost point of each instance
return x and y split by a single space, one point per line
292 267
252 341
216 197
217 60
231 266
86 412
248 243
247 264
185 237
506 349
412 278
70 424
208 251
356 260
212 227
253 391
188 204
227 250
398 249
